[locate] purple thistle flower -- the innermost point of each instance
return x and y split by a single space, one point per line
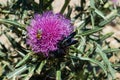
46 30
115 2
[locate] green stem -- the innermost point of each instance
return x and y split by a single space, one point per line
64 6
58 75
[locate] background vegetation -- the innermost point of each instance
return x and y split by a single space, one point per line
89 59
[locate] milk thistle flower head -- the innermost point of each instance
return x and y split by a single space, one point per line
46 30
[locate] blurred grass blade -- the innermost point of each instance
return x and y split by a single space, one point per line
92 4
100 13
20 53
69 12
116 65
90 31
48 4
84 23
58 75
41 2
82 44
111 50
2 54
104 37
64 6
31 72
4 49
95 62
41 66
11 40
76 50
4 21
104 22
15 44
17 71
6 12
117 39
92 20
111 14
106 61
24 59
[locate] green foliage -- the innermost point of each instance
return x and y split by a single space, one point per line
86 60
